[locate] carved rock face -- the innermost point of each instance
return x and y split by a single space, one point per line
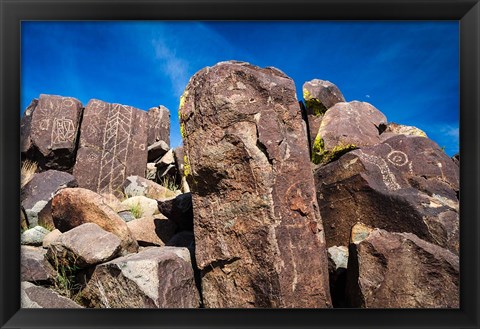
258 234
53 131
319 96
157 277
405 184
399 270
113 146
26 146
346 126
158 125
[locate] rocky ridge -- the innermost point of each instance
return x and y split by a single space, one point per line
268 203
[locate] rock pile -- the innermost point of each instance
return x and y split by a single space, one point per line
112 217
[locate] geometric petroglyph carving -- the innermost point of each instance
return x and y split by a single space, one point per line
63 130
397 158
387 176
116 140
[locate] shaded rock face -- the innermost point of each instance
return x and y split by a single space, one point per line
258 234
39 191
157 277
152 230
113 140
399 270
53 131
84 246
158 125
179 210
337 268
157 150
344 127
32 296
72 207
406 184
34 266
319 96
26 144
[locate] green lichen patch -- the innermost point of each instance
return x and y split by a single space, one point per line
315 106
186 166
182 99
322 156
182 130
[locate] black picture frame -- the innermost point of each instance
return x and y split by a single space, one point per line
12 12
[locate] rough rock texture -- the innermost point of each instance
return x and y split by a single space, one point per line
53 131
179 210
183 239
26 144
319 96
344 127
34 266
139 186
72 207
39 191
50 237
399 270
392 129
32 296
158 125
406 184
143 205
113 140
152 230
157 150
157 277
337 268
84 246
258 234
33 236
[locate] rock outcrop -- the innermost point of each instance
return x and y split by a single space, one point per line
34 266
158 125
258 233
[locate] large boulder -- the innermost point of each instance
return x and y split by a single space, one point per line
405 184
34 266
26 144
72 207
344 127
54 128
152 230
32 296
139 186
113 140
157 277
258 234
399 270
84 246
158 125
319 96
36 195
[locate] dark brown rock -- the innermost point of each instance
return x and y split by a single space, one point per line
26 144
258 233
113 141
84 246
399 270
344 127
38 192
152 230
406 184
72 207
157 277
178 209
319 96
32 296
158 125
54 131
456 159
34 266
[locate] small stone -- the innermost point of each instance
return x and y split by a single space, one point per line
34 236
50 237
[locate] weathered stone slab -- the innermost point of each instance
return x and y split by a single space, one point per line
39 191
84 246
139 186
344 127
258 233
113 146
158 125
399 270
319 96
54 130
156 277
152 230
26 144
32 296
405 184
72 207
34 266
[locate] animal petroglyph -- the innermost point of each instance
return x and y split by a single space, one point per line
63 130
387 176
116 139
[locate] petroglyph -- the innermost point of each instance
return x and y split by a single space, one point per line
63 130
397 158
387 176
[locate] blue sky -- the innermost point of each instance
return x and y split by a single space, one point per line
408 70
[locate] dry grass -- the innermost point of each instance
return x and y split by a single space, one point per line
27 171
